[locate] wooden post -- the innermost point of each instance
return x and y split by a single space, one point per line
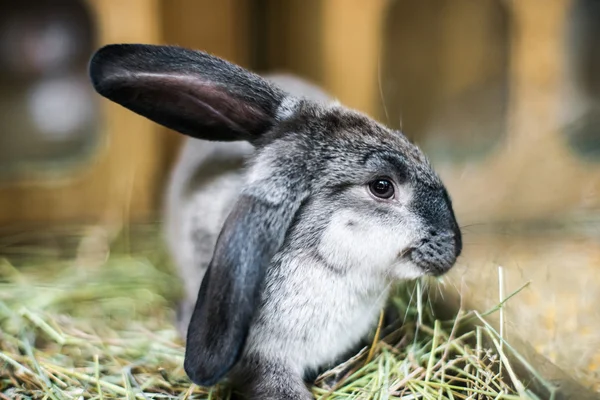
124 181
119 180
220 28
351 48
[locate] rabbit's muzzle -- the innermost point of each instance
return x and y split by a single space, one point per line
440 242
436 253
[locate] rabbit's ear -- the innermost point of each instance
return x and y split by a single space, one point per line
230 290
188 91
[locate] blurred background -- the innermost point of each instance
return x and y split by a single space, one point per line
503 95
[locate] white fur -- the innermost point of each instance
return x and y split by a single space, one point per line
306 334
365 245
370 242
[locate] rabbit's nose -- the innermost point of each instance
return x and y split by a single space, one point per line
436 253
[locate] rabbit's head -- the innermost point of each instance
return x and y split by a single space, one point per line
324 179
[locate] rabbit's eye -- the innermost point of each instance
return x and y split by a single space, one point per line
382 188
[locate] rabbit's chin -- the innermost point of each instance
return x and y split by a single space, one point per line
405 269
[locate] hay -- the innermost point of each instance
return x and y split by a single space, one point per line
96 323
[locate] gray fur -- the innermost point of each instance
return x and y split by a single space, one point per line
332 250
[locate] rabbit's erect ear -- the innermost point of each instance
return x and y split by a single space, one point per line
189 91
230 290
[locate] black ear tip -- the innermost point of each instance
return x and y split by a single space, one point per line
106 62
97 68
199 375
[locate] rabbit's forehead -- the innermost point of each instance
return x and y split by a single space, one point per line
333 141
357 138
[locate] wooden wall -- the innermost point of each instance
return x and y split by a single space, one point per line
124 179
405 63
117 181
222 28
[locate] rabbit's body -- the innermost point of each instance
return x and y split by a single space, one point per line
287 247
203 188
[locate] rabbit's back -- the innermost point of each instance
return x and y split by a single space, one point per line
201 191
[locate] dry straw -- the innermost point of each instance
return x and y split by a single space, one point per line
96 323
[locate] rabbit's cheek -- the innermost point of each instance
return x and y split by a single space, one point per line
353 240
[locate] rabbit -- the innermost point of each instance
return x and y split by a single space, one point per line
288 214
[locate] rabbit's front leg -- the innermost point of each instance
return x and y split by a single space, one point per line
259 378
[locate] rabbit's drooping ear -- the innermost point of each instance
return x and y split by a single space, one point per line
188 91
230 290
